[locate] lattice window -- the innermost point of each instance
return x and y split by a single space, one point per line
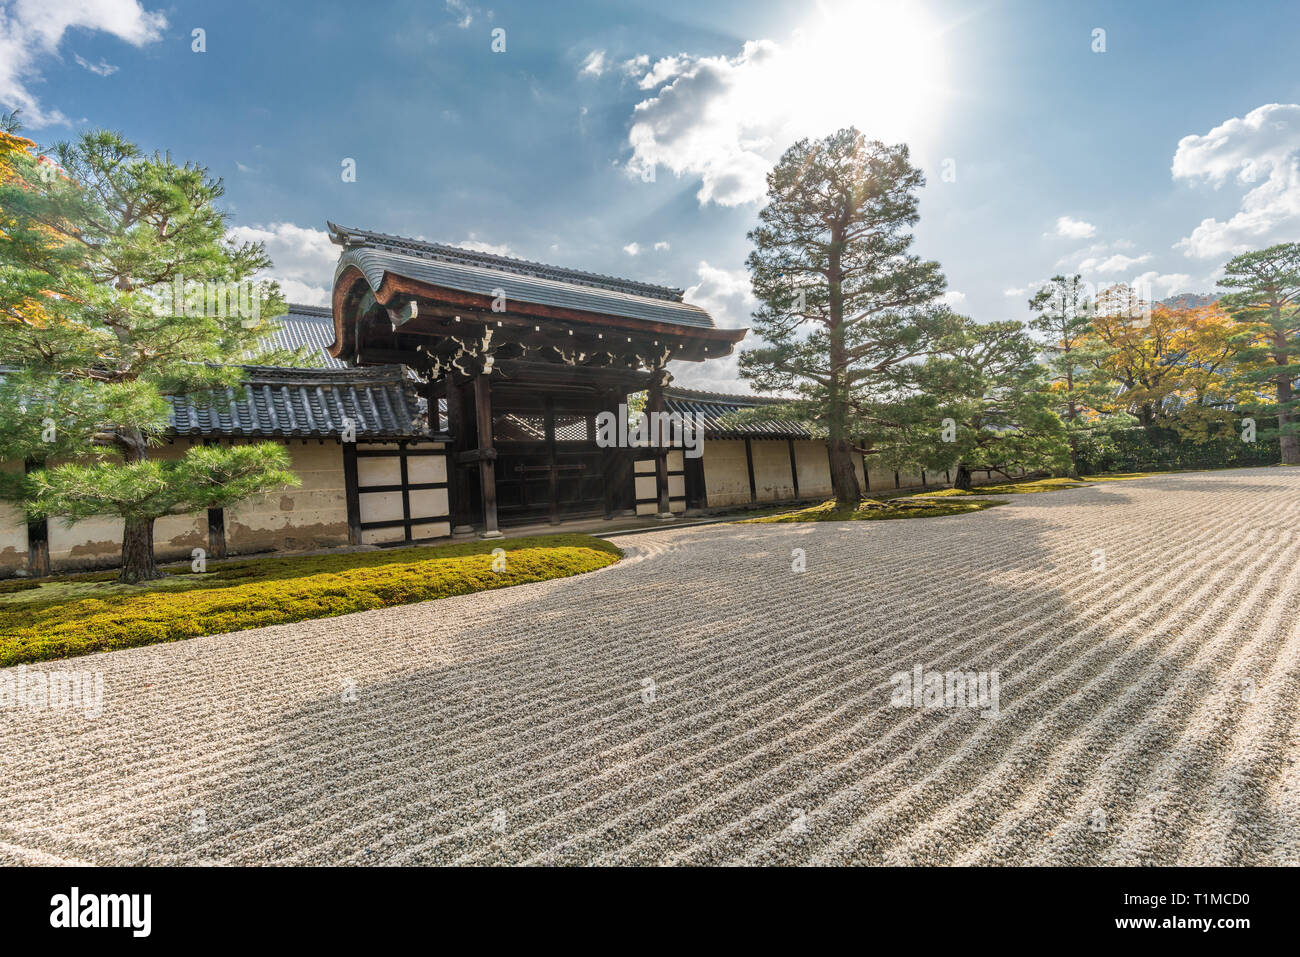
572 428
514 427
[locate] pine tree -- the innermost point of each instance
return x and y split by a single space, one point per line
1064 316
1267 298
845 305
118 288
988 408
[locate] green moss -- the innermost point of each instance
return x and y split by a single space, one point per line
76 617
1121 476
871 510
1011 488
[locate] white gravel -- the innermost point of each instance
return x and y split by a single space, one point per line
521 726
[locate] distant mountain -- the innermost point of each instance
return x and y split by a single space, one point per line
1190 300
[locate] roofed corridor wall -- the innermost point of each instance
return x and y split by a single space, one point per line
313 515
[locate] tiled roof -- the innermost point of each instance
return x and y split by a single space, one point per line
288 403
713 408
349 238
311 327
521 281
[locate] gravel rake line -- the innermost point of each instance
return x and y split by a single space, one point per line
858 728
1051 798
851 789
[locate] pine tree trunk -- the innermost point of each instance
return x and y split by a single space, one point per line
1288 440
848 493
38 537
1290 443
38 548
138 563
1074 458
963 480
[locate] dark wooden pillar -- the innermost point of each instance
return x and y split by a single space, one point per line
216 525
38 538
655 405
612 459
216 533
487 474
457 477
697 495
552 473
749 462
351 492
794 469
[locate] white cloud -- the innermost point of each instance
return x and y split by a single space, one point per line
632 249
1071 228
102 68
1262 145
726 295
1161 285
1015 291
665 68
31 30
1114 263
662 246
302 259
726 119
463 11
478 246
952 298
635 65
594 64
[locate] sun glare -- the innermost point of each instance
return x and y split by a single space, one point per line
877 65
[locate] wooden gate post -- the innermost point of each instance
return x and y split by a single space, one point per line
487 474
654 408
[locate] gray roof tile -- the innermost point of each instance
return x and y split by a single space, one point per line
714 407
288 403
311 327
350 237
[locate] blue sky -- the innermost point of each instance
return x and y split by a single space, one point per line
632 138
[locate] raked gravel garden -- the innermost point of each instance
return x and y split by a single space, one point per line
703 701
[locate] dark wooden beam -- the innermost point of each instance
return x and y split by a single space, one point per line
475 456
353 302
